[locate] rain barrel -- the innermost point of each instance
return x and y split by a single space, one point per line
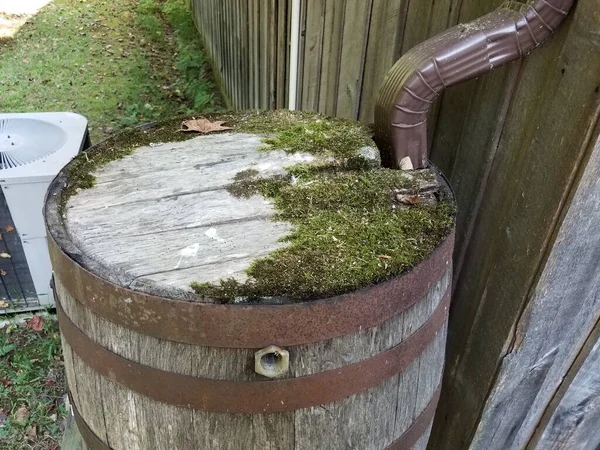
250 280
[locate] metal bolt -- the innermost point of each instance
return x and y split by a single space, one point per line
271 362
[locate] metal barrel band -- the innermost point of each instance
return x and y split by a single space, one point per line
404 442
249 325
232 396
90 438
418 427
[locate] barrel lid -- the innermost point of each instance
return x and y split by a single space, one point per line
237 207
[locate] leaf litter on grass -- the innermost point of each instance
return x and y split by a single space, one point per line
119 63
32 385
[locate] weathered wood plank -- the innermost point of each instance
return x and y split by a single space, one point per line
573 423
388 20
332 46
282 63
356 28
313 55
561 314
548 124
136 422
379 404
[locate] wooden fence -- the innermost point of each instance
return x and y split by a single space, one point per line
521 148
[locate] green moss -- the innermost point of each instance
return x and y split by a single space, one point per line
308 132
348 232
282 122
247 174
80 172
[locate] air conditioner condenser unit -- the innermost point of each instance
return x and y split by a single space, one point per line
34 147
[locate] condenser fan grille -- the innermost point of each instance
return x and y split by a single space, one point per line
25 140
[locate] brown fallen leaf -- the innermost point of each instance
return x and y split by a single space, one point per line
203 126
3 304
3 272
31 431
409 199
21 415
36 323
6 382
384 256
9 228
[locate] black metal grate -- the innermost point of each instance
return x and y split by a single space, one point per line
16 287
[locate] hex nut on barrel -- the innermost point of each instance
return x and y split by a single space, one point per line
272 362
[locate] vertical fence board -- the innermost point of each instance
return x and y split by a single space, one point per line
281 54
542 141
489 135
355 34
575 413
388 22
313 55
333 25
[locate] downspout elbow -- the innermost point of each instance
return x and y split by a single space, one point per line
461 53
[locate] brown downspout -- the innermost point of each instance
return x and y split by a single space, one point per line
463 52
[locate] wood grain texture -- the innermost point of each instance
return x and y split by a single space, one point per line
332 46
562 312
160 218
313 55
573 421
550 118
368 421
346 47
355 34
155 225
386 31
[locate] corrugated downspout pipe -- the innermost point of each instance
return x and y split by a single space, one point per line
463 52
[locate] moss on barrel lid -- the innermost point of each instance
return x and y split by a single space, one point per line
353 222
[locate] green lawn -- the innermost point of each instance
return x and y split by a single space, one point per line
119 63
32 386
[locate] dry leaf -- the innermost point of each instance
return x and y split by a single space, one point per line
21 415
384 256
409 199
5 255
6 382
9 228
36 323
31 432
3 304
203 126
3 272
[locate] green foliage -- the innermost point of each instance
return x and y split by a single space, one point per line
32 386
119 63
193 84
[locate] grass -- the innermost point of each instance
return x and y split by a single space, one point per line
118 62
32 385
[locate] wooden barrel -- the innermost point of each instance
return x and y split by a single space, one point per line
153 364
